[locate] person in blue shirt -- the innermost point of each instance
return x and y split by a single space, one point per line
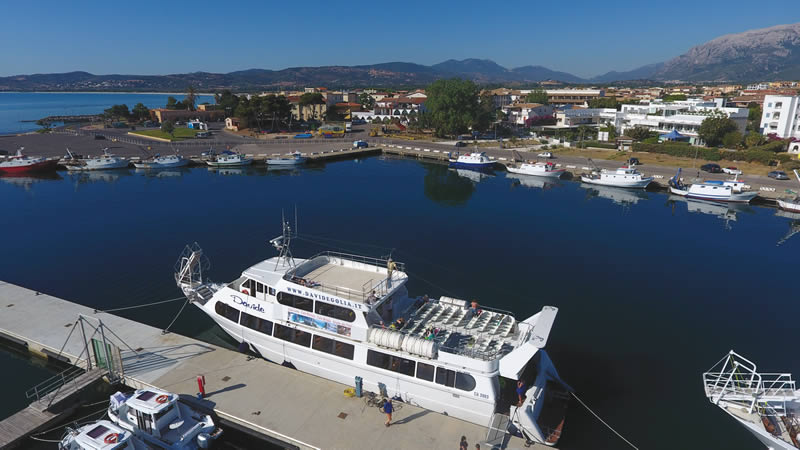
521 389
387 408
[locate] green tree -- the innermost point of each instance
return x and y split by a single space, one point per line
171 102
168 127
612 131
753 117
140 112
117 112
638 133
674 97
332 114
603 102
452 105
366 100
732 139
227 101
754 139
537 96
714 127
314 100
191 98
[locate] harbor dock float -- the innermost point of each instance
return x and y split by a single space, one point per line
292 408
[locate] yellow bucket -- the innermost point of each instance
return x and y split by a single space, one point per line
350 392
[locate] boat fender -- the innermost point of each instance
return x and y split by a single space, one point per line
111 438
162 398
245 292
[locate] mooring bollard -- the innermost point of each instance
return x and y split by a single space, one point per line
359 383
201 386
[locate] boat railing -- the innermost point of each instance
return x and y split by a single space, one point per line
368 260
738 382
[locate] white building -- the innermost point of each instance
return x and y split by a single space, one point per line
526 113
571 118
781 116
393 107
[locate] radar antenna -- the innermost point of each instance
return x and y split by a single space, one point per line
283 242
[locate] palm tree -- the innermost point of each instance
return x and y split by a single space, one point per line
191 98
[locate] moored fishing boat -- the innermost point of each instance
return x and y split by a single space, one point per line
104 162
341 316
162 162
20 163
624 177
540 169
734 190
766 404
161 420
229 159
477 161
296 159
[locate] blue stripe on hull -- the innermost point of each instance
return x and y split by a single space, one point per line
461 165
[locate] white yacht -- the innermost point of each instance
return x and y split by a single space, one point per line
106 161
339 316
162 162
100 435
229 159
540 169
733 190
766 404
159 419
296 159
623 177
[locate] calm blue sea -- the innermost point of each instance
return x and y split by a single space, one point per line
651 292
18 106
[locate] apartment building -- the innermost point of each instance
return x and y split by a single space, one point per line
781 116
526 114
573 96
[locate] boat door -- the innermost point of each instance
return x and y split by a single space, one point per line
144 422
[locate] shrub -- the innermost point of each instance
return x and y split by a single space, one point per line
599 144
678 149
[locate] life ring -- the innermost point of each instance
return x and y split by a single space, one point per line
245 292
111 438
162 398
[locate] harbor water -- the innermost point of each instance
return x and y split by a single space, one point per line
20 110
651 291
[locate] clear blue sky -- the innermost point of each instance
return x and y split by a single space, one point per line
146 37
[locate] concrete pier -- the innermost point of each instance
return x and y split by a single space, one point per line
295 408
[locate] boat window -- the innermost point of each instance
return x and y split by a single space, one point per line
378 359
343 349
322 344
390 362
425 371
337 312
295 301
227 311
293 335
333 347
259 288
271 290
465 381
157 416
256 323
445 377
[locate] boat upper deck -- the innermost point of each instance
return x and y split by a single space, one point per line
346 276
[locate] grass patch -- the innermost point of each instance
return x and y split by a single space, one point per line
179 134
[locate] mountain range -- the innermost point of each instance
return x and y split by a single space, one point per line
757 55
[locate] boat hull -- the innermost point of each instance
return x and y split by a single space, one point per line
286 162
156 165
473 166
738 197
44 166
787 205
639 184
242 163
109 166
548 174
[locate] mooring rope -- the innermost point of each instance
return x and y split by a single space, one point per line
166 330
97 311
604 422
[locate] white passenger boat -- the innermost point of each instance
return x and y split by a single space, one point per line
159 419
624 177
100 435
475 161
229 159
162 162
766 404
341 316
790 203
734 190
296 159
104 162
539 169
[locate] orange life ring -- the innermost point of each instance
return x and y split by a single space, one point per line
245 292
162 398
111 438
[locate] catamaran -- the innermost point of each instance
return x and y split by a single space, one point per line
341 316
766 404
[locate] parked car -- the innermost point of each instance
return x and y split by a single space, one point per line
778 175
711 168
461 144
303 136
634 162
545 155
360 144
732 171
99 137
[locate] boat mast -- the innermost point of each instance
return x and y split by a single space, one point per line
282 243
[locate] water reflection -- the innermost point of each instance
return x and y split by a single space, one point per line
620 196
27 180
448 187
532 181
473 175
794 224
725 211
99 176
163 173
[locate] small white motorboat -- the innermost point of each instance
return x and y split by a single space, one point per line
104 162
159 419
229 159
734 190
475 161
624 177
162 162
296 159
100 435
540 169
789 203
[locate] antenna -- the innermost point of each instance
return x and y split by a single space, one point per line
283 242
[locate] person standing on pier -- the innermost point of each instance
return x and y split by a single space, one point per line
388 409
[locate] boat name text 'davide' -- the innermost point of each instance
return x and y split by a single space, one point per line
254 306
325 298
